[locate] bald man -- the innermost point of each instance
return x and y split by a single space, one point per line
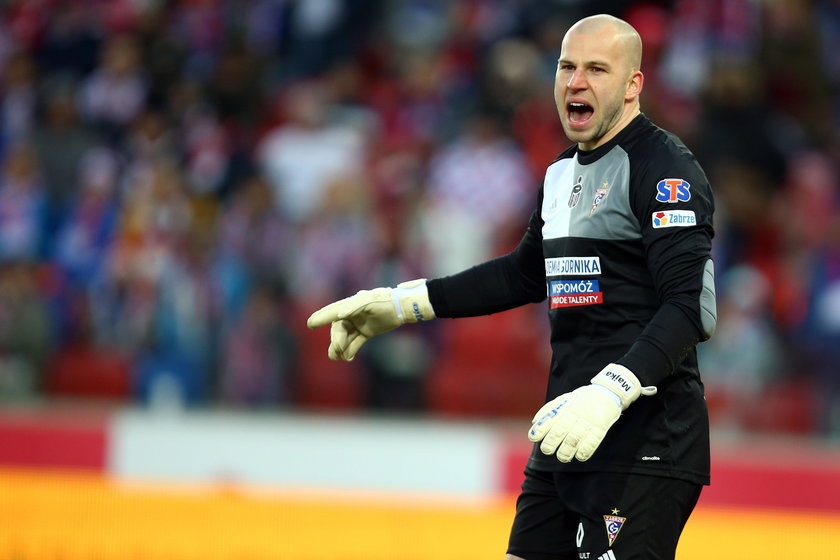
598 80
619 247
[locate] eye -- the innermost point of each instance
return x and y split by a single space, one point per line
566 66
597 70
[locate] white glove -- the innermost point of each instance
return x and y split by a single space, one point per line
574 424
369 313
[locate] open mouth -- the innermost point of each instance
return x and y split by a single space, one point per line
579 113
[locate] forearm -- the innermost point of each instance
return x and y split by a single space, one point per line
497 285
487 288
662 346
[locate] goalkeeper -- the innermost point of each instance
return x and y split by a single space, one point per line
619 246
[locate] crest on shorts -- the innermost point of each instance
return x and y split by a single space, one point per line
614 524
600 195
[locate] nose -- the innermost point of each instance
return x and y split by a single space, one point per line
577 81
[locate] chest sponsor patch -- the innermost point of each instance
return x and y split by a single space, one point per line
573 266
673 218
673 190
570 293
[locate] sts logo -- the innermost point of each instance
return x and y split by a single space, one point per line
673 190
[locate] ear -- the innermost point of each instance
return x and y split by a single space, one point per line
634 85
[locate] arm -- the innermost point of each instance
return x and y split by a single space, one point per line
679 260
503 283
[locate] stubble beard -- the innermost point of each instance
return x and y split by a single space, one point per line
601 128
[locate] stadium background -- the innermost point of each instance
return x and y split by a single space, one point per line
183 182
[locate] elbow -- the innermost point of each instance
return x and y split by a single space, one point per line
708 304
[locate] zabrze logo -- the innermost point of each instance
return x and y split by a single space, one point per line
660 219
674 218
614 524
673 190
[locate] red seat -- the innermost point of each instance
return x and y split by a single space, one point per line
784 406
321 382
490 366
83 370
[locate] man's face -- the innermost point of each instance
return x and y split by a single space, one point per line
591 86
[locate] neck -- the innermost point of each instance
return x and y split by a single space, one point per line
630 112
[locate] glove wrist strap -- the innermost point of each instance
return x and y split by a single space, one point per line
612 394
411 302
623 383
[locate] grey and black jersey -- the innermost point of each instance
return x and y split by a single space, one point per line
619 247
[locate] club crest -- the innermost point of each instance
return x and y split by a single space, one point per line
600 195
614 523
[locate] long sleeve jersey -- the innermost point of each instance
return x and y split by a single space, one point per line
619 247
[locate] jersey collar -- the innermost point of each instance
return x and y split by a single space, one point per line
585 157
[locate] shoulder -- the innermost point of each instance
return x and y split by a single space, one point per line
657 154
566 154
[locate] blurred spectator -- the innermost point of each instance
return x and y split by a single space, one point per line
186 315
479 187
199 27
827 16
154 220
744 158
534 122
514 74
323 32
207 154
234 89
808 276
259 357
71 40
336 251
150 140
83 237
19 97
255 243
304 156
115 92
417 102
398 363
24 207
61 142
745 354
25 335
428 22
700 32
797 82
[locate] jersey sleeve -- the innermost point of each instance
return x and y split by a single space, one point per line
673 202
509 281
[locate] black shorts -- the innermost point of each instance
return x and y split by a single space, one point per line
600 516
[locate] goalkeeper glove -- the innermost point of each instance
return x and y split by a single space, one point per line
369 313
574 424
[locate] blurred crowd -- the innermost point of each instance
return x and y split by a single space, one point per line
183 181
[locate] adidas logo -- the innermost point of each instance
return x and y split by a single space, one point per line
608 555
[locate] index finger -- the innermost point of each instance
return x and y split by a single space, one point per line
325 315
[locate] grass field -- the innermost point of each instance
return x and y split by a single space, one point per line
71 516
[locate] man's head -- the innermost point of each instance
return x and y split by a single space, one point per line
598 82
